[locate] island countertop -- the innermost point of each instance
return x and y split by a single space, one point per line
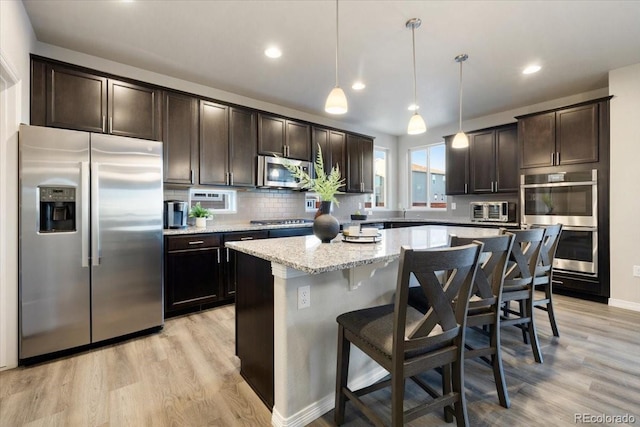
308 254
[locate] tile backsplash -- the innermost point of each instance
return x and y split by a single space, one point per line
274 204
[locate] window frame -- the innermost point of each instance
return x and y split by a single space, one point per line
370 203
428 206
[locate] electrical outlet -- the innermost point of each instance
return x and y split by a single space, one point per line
304 297
453 206
636 270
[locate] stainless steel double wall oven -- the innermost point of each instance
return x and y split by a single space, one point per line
569 198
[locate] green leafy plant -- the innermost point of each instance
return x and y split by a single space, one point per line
326 185
199 212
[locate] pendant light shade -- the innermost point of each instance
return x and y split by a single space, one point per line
461 140
416 123
336 101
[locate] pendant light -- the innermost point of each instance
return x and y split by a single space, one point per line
336 101
461 140
416 124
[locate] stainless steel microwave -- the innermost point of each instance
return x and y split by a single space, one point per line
493 211
273 173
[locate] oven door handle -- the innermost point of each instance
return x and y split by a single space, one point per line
578 228
559 184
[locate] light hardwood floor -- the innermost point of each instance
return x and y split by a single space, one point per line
187 375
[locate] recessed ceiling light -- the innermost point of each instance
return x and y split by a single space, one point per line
531 69
358 86
273 52
413 107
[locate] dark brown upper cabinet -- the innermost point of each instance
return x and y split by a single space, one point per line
557 138
333 145
72 98
283 137
493 160
227 145
488 165
243 144
359 173
457 168
214 143
134 110
180 138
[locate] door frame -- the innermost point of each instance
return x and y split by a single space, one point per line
10 90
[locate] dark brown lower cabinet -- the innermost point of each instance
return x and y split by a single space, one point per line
193 271
231 265
254 325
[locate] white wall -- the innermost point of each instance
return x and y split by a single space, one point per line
624 85
16 42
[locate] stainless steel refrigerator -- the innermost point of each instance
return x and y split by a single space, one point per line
90 238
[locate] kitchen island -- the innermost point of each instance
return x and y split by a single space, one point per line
287 353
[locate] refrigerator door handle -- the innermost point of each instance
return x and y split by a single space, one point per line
84 189
95 214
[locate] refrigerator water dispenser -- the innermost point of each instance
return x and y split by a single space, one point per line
57 209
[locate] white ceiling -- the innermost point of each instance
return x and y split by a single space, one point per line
221 43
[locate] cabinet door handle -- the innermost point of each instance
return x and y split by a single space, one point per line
553 155
227 255
230 178
191 176
218 251
103 123
111 124
246 238
465 189
558 157
196 242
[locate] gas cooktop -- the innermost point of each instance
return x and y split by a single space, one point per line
281 221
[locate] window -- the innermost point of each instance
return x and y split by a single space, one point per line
427 170
380 173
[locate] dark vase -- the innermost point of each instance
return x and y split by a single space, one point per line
325 225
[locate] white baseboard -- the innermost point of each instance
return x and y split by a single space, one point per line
324 405
629 305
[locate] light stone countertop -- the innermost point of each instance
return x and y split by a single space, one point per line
230 227
308 254
246 226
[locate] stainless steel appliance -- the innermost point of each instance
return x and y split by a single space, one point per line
175 214
281 221
273 173
571 199
493 211
90 238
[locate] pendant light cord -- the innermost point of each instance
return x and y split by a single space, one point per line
337 43
415 96
460 98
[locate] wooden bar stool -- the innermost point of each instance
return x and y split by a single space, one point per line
406 342
484 308
524 259
543 280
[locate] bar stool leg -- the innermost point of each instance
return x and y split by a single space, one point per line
342 373
498 370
